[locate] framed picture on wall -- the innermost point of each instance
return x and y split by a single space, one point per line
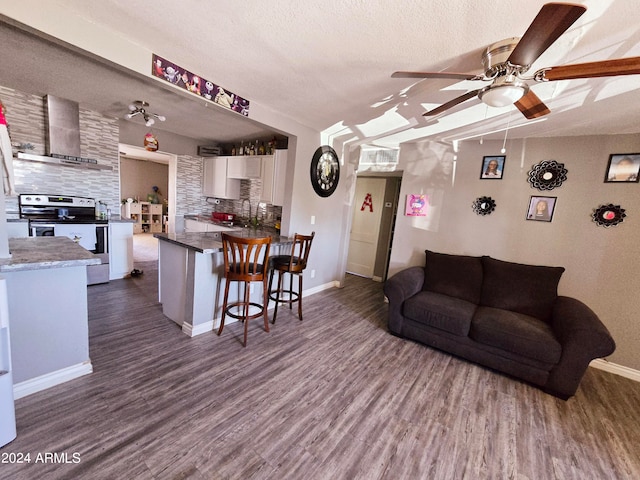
623 167
416 205
492 167
541 208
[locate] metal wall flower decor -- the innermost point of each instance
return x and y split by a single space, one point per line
547 175
608 215
484 205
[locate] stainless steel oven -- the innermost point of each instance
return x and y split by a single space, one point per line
73 217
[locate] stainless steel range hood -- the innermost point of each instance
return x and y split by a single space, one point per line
62 136
63 127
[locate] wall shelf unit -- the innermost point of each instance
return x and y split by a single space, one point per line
148 217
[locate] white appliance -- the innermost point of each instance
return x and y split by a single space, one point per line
8 416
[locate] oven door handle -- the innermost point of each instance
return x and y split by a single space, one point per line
35 227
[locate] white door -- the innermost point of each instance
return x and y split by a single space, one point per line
365 227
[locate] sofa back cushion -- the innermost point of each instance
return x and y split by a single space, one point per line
458 276
528 289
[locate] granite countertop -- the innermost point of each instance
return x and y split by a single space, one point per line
211 242
36 253
120 219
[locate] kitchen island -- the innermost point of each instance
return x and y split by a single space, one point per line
191 276
46 280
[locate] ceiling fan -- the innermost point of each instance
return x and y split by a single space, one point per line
139 108
506 62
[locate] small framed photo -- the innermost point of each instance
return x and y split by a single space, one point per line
541 208
492 167
623 167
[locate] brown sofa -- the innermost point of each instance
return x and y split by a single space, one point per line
503 315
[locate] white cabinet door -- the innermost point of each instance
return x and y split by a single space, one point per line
243 167
273 178
17 229
216 182
120 250
191 226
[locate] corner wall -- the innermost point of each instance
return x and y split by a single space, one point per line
602 264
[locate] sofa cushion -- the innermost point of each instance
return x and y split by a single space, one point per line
528 289
459 276
516 333
440 311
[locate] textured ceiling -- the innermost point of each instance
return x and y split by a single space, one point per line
328 64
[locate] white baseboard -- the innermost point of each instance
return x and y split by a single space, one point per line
602 364
320 288
52 379
199 329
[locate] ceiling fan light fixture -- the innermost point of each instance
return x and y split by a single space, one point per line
503 95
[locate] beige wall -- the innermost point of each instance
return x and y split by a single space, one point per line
137 177
602 264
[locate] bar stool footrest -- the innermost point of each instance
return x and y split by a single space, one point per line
230 306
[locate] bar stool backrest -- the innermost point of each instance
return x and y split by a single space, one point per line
300 252
245 259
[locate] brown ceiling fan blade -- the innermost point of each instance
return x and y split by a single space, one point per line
452 75
531 106
552 21
451 103
605 68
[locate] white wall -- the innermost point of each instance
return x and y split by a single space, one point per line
602 264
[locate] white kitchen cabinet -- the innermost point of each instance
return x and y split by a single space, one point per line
244 167
273 178
216 182
18 229
120 249
191 226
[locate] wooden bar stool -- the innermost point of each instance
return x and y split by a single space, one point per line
245 261
293 264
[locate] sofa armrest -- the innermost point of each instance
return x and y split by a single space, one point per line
583 338
397 289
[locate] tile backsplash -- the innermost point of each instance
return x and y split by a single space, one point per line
99 137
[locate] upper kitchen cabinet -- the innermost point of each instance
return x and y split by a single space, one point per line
216 182
273 178
244 167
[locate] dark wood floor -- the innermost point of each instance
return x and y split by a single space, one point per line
332 397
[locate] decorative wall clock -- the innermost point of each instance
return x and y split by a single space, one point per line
608 215
484 205
325 171
547 175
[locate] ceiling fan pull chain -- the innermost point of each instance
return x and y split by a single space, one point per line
504 142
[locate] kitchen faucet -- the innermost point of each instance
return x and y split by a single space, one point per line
247 217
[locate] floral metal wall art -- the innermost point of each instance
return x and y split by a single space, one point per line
547 175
